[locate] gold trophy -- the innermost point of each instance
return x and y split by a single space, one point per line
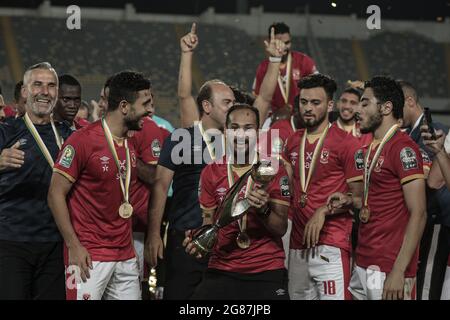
232 207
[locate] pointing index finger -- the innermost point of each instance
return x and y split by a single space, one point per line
194 28
272 34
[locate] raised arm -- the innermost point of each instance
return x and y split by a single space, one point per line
275 49
188 107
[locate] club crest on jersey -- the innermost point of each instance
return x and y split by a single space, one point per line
324 156
379 164
284 186
359 159
408 158
156 148
67 156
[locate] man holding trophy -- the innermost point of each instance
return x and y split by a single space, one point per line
244 204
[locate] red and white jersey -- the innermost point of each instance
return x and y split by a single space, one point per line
286 128
148 142
380 239
364 138
302 66
96 196
340 162
265 251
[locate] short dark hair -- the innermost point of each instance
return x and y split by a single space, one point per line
108 82
17 89
319 80
68 80
205 93
387 89
0 89
242 106
354 91
125 85
242 96
280 28
408 86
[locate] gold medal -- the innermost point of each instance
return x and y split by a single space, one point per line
303 199
364 214
126 210
243 240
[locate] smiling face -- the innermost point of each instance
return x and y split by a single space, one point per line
138 110
41 91
242 133
347 106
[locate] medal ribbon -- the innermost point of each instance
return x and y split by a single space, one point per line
211 150
368 170
42 147
285 91
316 153
124 185
293 124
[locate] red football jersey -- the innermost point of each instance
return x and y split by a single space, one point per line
96 196
364 138
302 65
341 161
286 128
380 239
80 123
265 251
148 142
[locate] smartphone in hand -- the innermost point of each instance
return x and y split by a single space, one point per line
429 122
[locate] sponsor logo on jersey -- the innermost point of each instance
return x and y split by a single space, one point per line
359 159
67 156
156 148
284 186
408 158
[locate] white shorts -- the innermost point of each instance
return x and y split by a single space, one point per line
118 280
286 238
320 273
367 284
445 295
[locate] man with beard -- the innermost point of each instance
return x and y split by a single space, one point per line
31 250
94 173
205 145
294 66
393 203
248 260
324 160
347 107
69 100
